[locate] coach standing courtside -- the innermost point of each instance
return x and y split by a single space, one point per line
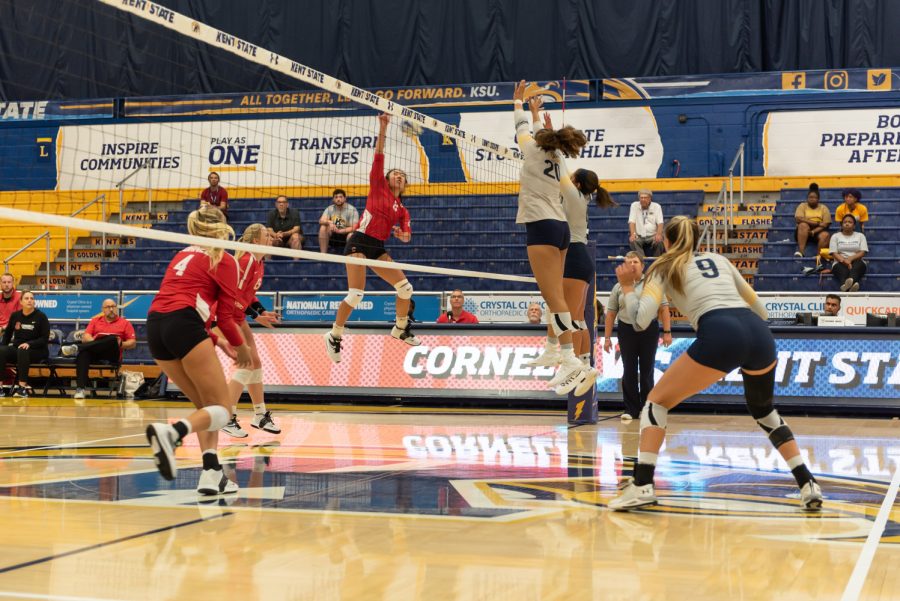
638 348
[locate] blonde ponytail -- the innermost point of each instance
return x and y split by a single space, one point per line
683 235
250 235
209 222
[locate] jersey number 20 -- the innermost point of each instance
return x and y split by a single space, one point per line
707 268
552 169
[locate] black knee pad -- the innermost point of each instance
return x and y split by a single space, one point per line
759 390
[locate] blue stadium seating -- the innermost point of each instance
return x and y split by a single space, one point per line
473 233
780 270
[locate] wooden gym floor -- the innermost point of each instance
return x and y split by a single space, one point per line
379 503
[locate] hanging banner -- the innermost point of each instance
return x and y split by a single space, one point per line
832 143
577 90
56 110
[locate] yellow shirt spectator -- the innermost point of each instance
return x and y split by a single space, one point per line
859 211
820 214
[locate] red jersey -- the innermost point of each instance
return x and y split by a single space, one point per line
219 198
383 209
251 276
8 306
120 327
464 317
190 283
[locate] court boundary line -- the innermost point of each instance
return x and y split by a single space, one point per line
115 541
857 580
67 446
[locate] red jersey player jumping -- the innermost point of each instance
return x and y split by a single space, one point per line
251 267
384 215
196 279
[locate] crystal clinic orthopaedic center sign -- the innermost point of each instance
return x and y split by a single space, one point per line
832 143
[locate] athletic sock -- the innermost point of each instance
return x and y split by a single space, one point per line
337 331
259 409
402 322
643 473
211 460
182 427
801 473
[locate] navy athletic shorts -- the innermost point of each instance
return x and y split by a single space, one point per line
372 248
173 335
548 232
731 338
578 263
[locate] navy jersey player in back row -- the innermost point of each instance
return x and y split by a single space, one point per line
730 321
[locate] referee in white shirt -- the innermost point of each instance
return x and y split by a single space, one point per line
645 225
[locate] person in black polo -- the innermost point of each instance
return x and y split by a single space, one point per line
283 224
24 339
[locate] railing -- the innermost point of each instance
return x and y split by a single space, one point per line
26 247
102 200
710 235
739 156
120 187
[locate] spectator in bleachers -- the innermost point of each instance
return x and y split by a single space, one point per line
852 206
832 305
25 339
457 314
847 250
105 338
215 194
534 314
813 219
645 225
336 222
10 299
283 224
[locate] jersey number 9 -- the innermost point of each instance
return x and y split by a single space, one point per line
707 268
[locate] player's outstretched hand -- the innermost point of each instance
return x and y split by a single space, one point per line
244 359
384 119
519 92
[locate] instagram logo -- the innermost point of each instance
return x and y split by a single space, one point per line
836 80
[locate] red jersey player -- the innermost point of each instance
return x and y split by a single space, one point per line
251 274
384 215
196 280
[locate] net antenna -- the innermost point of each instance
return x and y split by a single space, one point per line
214 37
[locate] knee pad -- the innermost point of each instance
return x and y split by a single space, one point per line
778 432
759 390
218 417
580 324
256 376
561 322
354 297
404 289
654 415
242 375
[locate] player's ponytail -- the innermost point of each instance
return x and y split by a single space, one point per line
567 140
209 222
683 235
588 183
250 236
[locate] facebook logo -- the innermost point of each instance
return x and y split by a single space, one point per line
795 80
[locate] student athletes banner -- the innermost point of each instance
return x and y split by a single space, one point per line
832 143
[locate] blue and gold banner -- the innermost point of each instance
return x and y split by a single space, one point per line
56 110
578 90
742 84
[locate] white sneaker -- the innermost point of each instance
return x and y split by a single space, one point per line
626 418
632 496
333 347
214 482
233 429
569 374
161 438
265 423
69 350
569 362
848 283
79 394
854 287
586 381
550 357
798 254
811 496
405 335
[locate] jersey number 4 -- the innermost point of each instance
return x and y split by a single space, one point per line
182 265
707 268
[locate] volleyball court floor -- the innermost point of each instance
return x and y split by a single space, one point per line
391 503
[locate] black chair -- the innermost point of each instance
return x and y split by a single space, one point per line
109 368
54 344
